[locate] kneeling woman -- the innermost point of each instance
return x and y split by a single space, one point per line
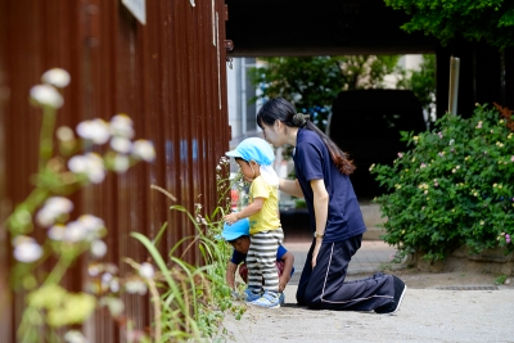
322 172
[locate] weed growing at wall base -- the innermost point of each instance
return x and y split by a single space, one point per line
188 302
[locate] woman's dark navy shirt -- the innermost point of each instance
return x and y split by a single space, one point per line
312 161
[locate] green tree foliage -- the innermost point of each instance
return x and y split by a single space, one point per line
490 21
422 83
312 83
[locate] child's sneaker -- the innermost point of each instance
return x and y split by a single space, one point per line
251 294
282 298
268 300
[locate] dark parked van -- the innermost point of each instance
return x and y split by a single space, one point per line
367 124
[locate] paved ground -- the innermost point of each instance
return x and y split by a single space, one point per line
426 315
371 257
445 307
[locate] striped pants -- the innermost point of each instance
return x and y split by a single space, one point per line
261 258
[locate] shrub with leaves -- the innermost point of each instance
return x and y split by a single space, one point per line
454 187
188 302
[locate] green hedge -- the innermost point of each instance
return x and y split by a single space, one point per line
454 186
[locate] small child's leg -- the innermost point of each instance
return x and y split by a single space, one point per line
254 290
266 243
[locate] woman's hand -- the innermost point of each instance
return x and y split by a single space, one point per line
315 252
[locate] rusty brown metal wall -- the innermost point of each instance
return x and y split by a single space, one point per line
168 75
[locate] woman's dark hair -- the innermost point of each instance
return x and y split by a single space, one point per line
283 110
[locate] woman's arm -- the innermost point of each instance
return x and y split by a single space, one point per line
291 187
320 201
230 276
288 259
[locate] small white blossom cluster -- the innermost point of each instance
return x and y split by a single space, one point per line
47 94
106 274
86 228
26 249
146 270
53 208
90 164
119 133
74 336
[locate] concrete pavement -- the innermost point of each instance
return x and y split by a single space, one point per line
454 314
370 258
426 316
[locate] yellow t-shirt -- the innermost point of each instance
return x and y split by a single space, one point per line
268 217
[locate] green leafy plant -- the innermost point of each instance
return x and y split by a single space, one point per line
188 301
50 307
500 280
454 186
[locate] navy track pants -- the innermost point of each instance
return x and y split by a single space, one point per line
323 287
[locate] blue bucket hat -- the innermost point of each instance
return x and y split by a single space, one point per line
236 230
254 149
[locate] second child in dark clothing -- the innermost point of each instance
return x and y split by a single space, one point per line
238 236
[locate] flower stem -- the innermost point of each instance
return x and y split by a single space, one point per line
60 268
157 309
46 136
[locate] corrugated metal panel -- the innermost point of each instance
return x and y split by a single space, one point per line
169 76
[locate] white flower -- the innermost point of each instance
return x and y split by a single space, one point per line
106 278
121 125
144 150
57 77
121 163
65 134
46 95
135 286
75 232
53 208
121 144
26 249
59 204
57 232
86 228
74 336
98 248
95 130
91 223
146 270
114 305
94 269
114 286
90 164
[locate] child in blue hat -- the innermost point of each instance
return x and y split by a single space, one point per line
238 235
254 157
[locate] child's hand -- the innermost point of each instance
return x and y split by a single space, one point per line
231 218
281 285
